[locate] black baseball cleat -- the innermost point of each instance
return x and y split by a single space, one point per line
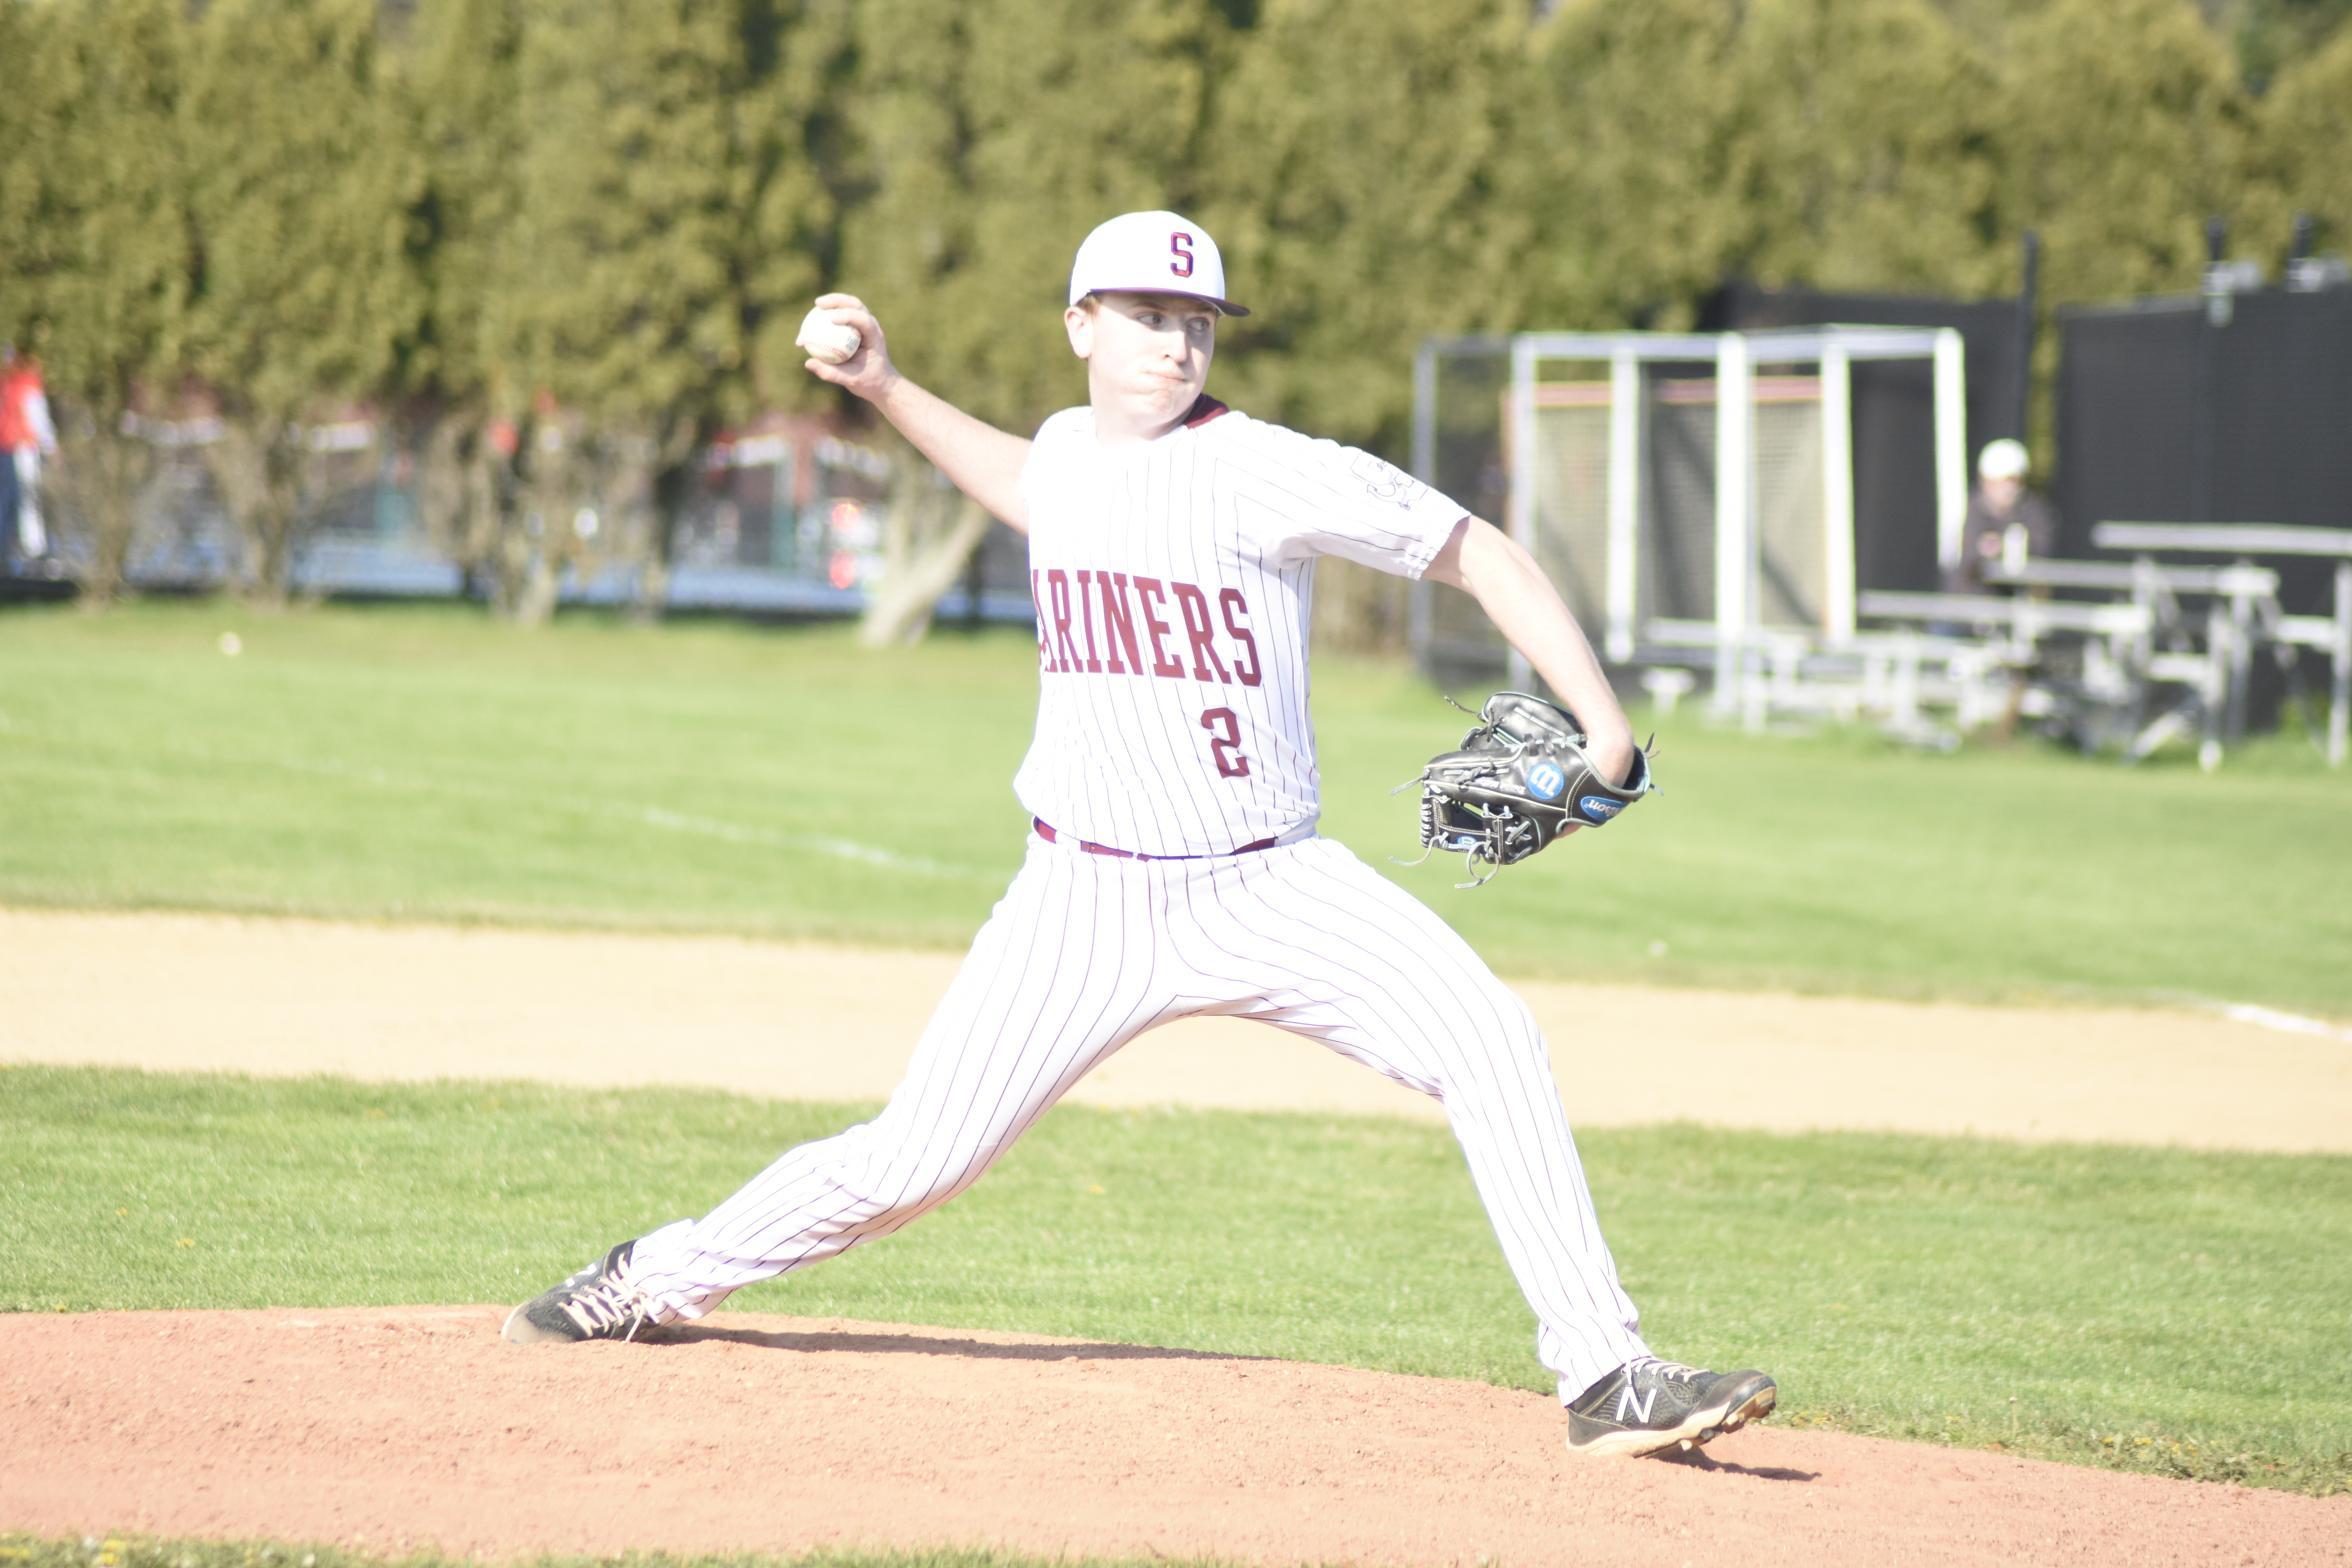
1648 1406
602 1301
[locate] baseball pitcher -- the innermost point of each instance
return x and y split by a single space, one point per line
1173 867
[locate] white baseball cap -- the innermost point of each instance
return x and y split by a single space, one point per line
1151 253
2002 459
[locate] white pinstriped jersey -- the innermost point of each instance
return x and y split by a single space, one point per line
1172 583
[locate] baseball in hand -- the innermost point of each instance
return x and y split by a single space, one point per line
827 340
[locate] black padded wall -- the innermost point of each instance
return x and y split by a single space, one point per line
2163 417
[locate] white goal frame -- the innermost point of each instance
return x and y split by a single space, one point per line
1834 349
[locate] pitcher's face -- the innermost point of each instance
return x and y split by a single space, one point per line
1147 358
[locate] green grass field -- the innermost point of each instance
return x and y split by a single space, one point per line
2154 1309
2157 1309
413 762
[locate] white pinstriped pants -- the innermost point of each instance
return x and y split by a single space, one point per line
1087 952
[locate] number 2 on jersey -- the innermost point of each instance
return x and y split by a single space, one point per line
1226 727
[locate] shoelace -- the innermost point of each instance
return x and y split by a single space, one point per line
608 1303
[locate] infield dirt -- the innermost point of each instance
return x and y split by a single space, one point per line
397 1429
394 1428
213 993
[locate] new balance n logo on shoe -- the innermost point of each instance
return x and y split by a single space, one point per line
1651 1407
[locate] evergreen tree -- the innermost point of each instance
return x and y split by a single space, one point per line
1349 172
2307 126
2123 128
1629 158
996 133
990 138
2270 37
1873 136
668 231
790 132
28 123
1842 143
302 184
574 237
92 220
1352 160
461 85
463 76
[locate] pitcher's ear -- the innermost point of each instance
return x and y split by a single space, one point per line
1078 320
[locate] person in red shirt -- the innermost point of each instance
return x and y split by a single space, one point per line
26 436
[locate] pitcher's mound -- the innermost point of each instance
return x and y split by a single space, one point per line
391 1429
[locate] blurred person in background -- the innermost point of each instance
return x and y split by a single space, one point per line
2006 525
26 436
9 488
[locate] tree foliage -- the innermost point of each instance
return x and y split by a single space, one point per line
93 226
2128 130
557 244
1349 183
301 182
463 70
991 135
2307 136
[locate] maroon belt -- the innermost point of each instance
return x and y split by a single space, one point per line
1046 833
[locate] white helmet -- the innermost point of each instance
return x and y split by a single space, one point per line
2002 459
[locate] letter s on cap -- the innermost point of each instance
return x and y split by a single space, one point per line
1181 244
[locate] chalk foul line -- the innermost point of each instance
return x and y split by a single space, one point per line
2272 1018
661 818
2254 1013
841 848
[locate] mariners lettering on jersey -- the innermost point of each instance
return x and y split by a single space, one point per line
1067 642
1173 582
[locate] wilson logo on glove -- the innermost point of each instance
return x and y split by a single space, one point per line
1496 800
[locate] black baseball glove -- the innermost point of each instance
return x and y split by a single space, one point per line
1520 781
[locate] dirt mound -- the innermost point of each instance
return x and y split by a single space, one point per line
389 1428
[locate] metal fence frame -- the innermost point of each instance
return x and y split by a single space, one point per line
1734 355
